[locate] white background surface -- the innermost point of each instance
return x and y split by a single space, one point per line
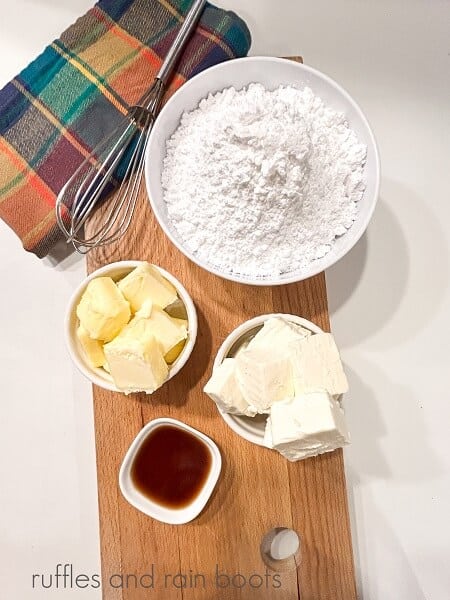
389 301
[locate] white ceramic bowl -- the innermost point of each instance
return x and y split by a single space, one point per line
117 271
153 509
251 428
270 72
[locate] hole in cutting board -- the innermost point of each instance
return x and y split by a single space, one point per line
280 549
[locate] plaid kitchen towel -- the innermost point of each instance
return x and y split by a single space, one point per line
56 110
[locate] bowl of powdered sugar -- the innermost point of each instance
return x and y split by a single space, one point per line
262 171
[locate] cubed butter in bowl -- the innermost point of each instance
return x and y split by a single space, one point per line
130 327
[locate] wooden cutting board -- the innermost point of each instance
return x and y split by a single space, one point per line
258 489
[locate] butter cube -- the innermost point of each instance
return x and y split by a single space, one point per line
278 333
306 425
167 330
224 389
146 283
145 311
317 365
180 322
135 359
264 377
102 310
93 349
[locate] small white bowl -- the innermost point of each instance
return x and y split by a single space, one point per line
153 509
117 271
271 73
251 428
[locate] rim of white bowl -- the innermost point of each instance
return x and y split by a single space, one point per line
240 424
152 509
267 281
99 376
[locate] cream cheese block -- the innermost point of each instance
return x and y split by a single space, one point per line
224 389
278 333
265 377
135 359
306 425
317 365
102 310
295 377
145 282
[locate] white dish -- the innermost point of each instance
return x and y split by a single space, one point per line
251 428
270 72
117 271
153 509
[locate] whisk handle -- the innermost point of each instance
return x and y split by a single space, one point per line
182 37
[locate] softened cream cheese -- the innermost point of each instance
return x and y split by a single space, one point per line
293 376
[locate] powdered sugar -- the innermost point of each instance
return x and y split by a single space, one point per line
262 182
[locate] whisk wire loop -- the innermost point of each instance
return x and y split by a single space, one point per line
125 146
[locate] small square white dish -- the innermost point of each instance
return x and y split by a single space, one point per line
173 516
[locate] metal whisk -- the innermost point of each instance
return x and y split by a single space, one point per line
128 142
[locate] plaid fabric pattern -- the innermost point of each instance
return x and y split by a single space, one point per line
56 110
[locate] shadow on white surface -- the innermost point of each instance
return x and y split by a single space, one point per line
367 428
344 277
379 267
376 427
374 542
381 256
377 458
62 256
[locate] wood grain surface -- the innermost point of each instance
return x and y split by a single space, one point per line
258 489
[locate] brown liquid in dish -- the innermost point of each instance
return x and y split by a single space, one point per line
171 466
